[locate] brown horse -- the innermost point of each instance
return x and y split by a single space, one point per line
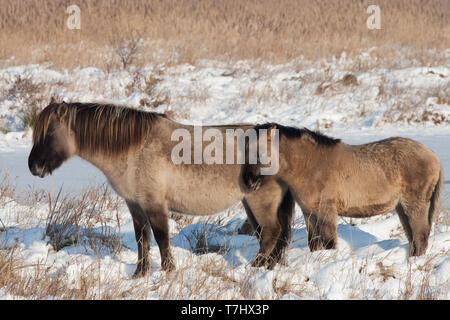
328 178
134 149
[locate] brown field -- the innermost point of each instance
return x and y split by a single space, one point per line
35 31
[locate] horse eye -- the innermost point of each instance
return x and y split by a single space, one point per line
51 130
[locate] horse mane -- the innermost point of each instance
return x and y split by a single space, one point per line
293 132
107 128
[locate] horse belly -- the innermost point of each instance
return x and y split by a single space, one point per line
367 203
204 199
369 210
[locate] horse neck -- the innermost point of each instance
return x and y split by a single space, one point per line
104 162
301 154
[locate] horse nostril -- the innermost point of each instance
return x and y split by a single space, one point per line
34 168
32 165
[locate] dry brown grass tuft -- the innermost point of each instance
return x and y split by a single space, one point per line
75 220
30 98
348 80
7 187
187 30
148 84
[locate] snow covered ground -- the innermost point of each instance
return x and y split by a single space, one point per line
371 260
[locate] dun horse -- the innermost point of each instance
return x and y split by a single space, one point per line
133 149
329 178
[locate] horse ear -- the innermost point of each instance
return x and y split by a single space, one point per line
269 132
52 100
62 110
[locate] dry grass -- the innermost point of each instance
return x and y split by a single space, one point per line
414 108
76 219
41 281
91 214
29 97
187 30
348 80
148 84
7 187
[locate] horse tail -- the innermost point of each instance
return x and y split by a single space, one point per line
435 196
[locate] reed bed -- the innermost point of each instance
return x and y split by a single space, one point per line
179 31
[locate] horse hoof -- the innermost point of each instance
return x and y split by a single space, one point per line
168 266
260 261
273 260
170 269
139 273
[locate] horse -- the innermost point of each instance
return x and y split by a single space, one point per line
134 150
329 178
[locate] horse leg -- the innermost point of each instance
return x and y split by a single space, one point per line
314 240
159 222
285 213
269 236
404 221
327 224
251 218
142 234
264 206
416 218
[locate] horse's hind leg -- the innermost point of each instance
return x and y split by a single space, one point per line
404 221
414 218
142 234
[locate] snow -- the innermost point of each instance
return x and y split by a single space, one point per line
371 261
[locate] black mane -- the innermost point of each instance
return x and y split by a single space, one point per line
293 132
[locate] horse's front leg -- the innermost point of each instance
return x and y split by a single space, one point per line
142 234
314 239
158 217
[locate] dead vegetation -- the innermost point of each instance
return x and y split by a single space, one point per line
126 36
414 108
148 84
127 50
80 220
348 80
29 96
90 220
7 187
275 31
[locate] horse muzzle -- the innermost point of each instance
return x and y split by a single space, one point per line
40 171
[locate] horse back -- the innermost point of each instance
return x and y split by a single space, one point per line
194 186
